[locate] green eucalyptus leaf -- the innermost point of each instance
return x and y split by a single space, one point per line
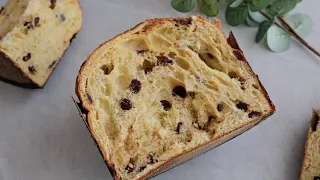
183 5
236 3
257 5
263 29
281 7
236 15
277 39
252 23
209 7
301 23
257 16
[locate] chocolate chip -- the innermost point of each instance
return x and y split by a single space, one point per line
53 4
164 60
130 168
62 17
28 25
316 178
166 105
32 69
52 64
220 107
36 21
180 91
141 51
243 106
210 56
126 104
151 159
185 22
135 86
105 69
179 126
254 114
26 57
90 98
2 8
142 168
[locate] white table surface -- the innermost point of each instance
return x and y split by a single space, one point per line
43 138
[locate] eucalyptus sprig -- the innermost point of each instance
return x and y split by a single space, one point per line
268 15
207 7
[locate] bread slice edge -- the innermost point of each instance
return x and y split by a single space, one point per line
313 124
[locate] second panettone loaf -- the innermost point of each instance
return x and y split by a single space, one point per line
33 37
166 91
311 162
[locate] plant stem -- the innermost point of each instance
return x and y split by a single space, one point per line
299 38
291 32
276 23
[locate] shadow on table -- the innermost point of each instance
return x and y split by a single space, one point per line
1 175
11 94
295 157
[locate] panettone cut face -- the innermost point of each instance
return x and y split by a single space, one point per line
34 34
163 88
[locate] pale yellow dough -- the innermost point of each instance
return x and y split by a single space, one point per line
145 136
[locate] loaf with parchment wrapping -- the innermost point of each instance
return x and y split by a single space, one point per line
165 91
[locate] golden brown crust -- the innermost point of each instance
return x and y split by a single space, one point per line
84 114
149 24
234 44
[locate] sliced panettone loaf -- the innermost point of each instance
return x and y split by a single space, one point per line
33 37
165 91
311 162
